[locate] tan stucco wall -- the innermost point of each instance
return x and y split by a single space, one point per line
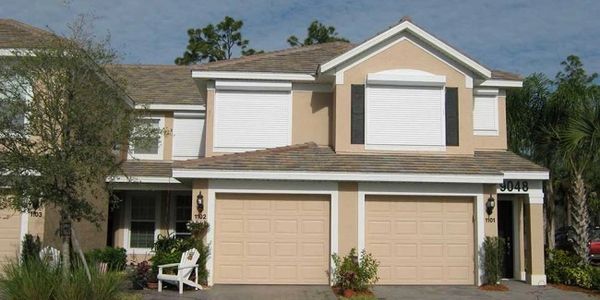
495 142
168 136
534 256
406 55
199 186
209 122
347 216
490 222
311 117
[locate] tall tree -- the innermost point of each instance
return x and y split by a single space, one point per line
215 42
62 111
317 33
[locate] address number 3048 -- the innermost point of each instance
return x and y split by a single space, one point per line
518 185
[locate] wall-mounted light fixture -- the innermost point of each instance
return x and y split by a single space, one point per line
490 204
200 202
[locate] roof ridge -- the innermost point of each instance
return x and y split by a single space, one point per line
267 54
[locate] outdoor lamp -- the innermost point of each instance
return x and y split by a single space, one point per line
490 204
200 202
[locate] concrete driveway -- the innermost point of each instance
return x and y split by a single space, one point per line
518 291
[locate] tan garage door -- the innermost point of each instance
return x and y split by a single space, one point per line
421 240
10 232
271 239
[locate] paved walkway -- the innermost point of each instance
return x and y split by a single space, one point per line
518 291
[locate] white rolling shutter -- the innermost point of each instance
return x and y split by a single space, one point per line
405 117
485 115
251 120
188 136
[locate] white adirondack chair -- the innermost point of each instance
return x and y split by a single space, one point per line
184 271
51 256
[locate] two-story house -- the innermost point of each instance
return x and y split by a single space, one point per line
396 145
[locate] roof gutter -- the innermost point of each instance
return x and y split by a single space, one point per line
340 176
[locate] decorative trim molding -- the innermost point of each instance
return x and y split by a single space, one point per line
252 75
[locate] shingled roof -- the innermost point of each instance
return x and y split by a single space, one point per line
15 34
161 84
303 60
135 168
312 158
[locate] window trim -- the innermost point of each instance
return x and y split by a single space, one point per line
127 227
161 142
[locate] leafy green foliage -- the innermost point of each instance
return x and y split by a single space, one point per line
493 254
215 42
353 273
566 268
116 258
31 248
317 33
36 280
168 250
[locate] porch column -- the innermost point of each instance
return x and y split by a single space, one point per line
534 231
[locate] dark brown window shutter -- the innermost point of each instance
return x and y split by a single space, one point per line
357 119
452 126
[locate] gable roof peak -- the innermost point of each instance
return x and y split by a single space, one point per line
406 18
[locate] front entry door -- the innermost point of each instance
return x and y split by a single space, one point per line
505 231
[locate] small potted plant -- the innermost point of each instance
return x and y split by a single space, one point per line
152 281
198 228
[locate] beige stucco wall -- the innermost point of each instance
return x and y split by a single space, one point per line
490 222
168 136
495 142
534 255
311 117
199 186
407 55
347 216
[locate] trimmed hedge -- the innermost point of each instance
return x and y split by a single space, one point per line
566 268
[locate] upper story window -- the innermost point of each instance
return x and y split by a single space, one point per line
405 110
14 96
151 149
485 112
188 135
252 115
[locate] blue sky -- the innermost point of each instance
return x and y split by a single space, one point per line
520 36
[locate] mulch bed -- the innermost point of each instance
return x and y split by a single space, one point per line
339 292
494 287
571 288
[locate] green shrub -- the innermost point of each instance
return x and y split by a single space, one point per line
353 273
36 280
557 264
31 248
493 254
168 250
116 258
566 268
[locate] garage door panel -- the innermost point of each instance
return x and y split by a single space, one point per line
285 242
421 240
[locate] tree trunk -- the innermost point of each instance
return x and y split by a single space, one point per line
580 217
65 234
80 252
550 214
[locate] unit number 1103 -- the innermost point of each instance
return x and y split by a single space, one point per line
510 186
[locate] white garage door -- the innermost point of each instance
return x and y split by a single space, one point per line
10 233
421 240
271 239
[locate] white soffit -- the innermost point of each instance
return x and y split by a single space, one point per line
187 107
418 32
239 85
501 83
406 77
